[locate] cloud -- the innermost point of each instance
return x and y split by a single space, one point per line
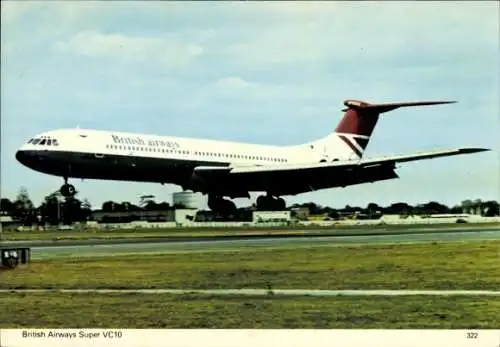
167 52
347 33
232 83
13 10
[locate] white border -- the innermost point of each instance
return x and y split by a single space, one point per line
251 338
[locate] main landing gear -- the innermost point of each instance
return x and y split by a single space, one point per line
220 205
67 190
264 203
270 203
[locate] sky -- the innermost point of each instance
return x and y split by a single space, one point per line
260 72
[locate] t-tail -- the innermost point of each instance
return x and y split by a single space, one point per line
360 118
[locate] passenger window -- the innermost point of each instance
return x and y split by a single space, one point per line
55 143
49 142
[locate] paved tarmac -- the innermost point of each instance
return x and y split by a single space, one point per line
235 244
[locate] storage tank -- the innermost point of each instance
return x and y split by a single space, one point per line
189 200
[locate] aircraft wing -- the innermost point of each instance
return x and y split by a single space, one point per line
285 179
342 164
419 156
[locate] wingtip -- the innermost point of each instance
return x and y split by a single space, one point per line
474 150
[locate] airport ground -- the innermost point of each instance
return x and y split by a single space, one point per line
152 233
195 311
440 265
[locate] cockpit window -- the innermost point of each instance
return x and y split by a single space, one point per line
44 141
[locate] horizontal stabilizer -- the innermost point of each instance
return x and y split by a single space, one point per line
385 107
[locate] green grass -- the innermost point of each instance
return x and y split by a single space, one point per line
10 235
454 265
57 310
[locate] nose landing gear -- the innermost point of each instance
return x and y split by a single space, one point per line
67 190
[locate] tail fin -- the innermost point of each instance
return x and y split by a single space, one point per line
360 119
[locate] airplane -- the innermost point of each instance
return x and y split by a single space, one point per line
222 169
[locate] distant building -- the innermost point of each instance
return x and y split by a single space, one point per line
126 217
189 200
185 216
271 216
7 221
450 215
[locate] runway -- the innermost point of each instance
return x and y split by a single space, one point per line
264 292
220 245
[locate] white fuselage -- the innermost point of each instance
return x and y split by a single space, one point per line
104 143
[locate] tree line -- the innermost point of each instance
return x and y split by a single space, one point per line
53 210
58 210
484 208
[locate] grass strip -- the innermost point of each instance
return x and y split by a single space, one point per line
436 265
56 310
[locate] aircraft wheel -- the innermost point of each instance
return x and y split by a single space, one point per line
220 205
214 203
280 204
227 206
68 190
261 202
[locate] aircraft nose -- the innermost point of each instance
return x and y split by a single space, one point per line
19 155
22 156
